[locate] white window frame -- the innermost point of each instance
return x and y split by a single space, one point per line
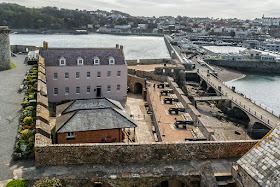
118 87
96 61
70 135
55 76
108 88
54 91
62 61
119 73
88 89
80 63
88 75
67 90
99 73
77 73
111 61
66 73
78 89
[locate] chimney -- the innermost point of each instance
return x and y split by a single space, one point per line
121 47
117 46
45 45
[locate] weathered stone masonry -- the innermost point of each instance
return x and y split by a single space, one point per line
5 50
137 153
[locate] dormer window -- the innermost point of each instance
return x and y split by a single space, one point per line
96 61
111 61
80 61
62 61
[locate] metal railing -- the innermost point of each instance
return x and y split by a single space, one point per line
259 116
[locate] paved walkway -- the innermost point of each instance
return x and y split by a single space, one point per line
135 106
249 106
10 110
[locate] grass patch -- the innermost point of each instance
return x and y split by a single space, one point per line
13 65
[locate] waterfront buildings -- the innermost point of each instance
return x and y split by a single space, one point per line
83 73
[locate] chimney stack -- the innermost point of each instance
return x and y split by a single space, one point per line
45 45
117 46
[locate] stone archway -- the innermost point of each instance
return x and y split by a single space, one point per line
259 130
211 91
138 88
203 85
239 115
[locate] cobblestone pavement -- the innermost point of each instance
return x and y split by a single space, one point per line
135 107
10 110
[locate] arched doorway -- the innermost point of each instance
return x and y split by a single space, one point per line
239 115
138 88
211 92
203 85
259 130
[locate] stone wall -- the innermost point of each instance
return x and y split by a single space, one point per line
149 75
138 153
132 80
23 48
248 66
148 61
5 50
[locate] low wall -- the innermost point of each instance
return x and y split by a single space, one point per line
150 75
206 131
248 66
23 48
63 154
148 61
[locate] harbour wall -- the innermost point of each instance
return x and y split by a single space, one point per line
247 66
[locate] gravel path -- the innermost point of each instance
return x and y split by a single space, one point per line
10 110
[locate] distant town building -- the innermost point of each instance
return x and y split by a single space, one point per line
5 50
84 73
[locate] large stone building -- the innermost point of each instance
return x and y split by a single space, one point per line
84 73
5 50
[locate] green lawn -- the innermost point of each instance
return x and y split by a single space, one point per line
13 65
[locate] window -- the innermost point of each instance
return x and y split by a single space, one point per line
77 75
80 61
70 135
96 61
77 90
66 90
108 74
108 88
62 61
118 87
55 91
66 75
55 76
88 74
99 74
118 73
88 89
111 61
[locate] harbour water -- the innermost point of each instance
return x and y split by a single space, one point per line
135 47
264 89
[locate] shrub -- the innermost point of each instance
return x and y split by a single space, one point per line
48 183
31 108
17 183
25 103
28 121
26 113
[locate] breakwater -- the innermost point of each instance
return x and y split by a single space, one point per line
247 66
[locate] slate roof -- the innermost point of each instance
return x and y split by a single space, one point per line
91 114
52 55
94 119
262 162
89 104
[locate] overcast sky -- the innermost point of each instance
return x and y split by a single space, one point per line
193 8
